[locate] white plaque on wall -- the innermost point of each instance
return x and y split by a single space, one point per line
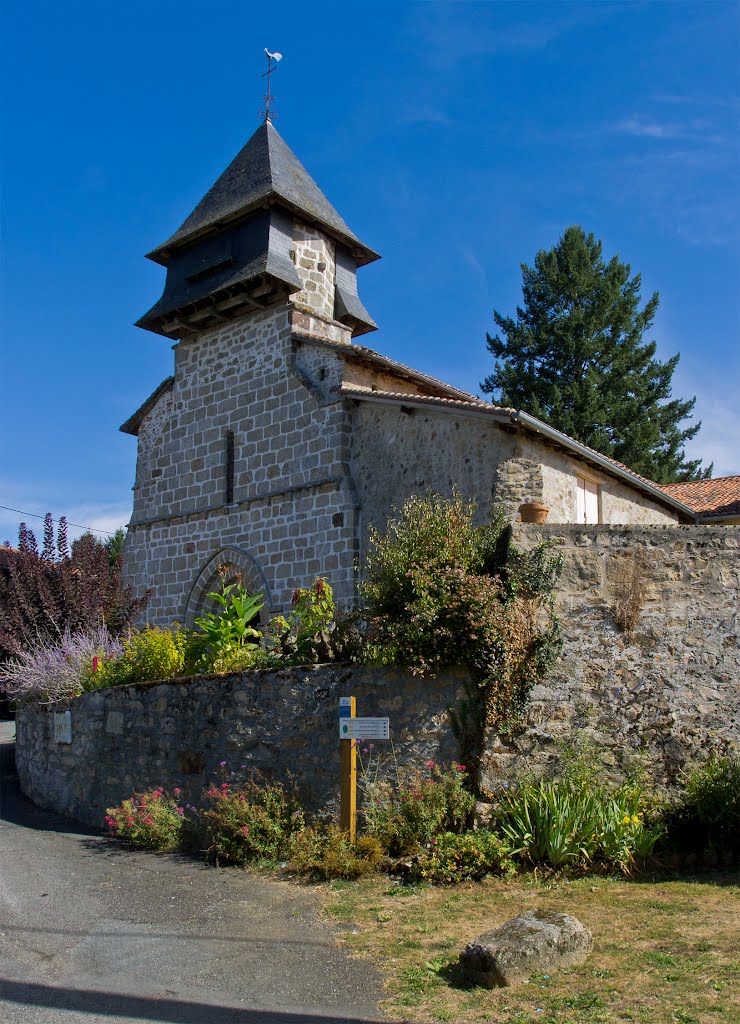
62 726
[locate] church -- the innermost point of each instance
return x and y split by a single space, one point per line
281 438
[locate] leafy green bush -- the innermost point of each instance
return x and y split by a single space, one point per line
227 631
454 858
306 635
441 590
708 816
328 853
562 823
250 820
154 819
405 816
151 653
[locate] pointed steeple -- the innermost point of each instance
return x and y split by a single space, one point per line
264 171
236 251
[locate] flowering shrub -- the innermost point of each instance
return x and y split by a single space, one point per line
441 591
328 853
562 823
151 653
52 671
49 592
250 820
405 816
462 858
154 819
306 635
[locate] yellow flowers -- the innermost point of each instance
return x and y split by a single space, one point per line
634 820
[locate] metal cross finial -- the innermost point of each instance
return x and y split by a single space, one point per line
267 111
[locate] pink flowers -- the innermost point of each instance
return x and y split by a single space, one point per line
244 830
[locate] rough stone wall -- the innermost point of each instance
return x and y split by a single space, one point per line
396 454
518 481
315 261
618 502
663 695
376 379
292 508
282 724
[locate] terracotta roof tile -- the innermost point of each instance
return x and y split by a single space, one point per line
720 497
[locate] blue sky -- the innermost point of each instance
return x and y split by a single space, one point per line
456 139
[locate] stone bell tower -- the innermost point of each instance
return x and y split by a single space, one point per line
263 233
243 453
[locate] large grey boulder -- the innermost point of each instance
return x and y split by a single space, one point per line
534 941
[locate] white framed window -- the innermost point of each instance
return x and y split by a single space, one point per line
587 500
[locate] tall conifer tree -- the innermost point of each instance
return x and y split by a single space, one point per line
575 358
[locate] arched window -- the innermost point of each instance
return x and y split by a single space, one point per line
237 561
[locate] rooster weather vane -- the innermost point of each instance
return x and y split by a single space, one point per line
268 111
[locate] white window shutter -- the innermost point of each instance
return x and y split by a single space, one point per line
580 500
587 501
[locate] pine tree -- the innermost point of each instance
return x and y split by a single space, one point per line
574 357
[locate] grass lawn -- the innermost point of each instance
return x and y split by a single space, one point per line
665 952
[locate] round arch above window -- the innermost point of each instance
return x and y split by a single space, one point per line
238 561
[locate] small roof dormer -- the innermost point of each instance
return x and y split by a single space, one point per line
235 252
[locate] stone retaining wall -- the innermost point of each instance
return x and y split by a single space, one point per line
282 723
662 695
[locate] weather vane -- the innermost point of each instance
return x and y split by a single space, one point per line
267 110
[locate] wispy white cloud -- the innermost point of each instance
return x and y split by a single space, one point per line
103 517
469 256
423 114
445 38
717 441
696 130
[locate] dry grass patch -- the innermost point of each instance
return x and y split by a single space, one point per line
665 952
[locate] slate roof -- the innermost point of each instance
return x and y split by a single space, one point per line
264 171
711 499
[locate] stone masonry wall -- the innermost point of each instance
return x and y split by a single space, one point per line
293 507
663 695
283 724
396 454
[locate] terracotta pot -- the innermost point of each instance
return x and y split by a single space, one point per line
533 512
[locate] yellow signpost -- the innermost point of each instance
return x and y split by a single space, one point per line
348 774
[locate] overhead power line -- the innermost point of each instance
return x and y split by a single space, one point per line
77 526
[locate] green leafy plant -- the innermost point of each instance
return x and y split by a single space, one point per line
154 819
329 853
148 654
223 632
250 820
563 823
443 590
451 858
405 814
306 635
708 815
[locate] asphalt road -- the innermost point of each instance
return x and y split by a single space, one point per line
91 932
